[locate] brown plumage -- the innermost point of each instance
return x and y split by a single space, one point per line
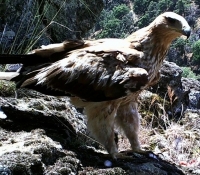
104 76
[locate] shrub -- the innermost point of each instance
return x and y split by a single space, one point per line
7 88
196 51
115 23
187 73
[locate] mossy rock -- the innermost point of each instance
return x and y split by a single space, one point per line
7 88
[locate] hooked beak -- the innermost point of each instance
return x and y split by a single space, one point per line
187 31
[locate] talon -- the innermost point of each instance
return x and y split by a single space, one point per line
148 154
123 156
154 156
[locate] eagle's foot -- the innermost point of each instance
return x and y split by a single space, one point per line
130 154
148 154
122 155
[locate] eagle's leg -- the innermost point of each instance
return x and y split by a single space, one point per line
101 118
128 119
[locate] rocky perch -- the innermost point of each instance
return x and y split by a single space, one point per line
41 134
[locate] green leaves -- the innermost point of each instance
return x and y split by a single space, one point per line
115 23
140 6
196 51
120 11
148 10
188 73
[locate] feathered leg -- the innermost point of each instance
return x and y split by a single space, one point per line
128 119
101 118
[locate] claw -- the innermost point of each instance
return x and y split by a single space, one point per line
148 154
129 154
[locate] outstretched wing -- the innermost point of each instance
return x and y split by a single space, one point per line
100 72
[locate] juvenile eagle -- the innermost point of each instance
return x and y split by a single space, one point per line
104 76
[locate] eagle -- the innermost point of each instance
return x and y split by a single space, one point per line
104 76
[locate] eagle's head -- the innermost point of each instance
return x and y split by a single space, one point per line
171 23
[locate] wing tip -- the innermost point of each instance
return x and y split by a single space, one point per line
8 75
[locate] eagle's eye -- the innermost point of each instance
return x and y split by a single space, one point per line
171 20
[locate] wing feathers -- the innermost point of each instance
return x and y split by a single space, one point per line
90 76
47 51
96 71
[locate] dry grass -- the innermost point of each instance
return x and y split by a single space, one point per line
177 142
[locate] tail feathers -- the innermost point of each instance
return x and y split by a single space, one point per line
8 75
46 54
29 59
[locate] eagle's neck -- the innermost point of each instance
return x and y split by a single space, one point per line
154 43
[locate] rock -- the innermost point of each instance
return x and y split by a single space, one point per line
170 75
25 149
42 111
5 170
170 88
12 67
24 24
185 91
43 135
35 153
74 19
22 163
193 87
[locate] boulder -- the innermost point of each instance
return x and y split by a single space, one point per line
41 134
182 93
171 89
193 87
